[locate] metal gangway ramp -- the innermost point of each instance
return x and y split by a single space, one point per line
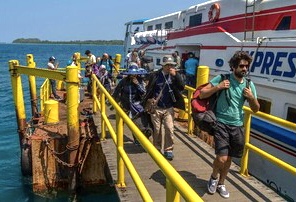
193 160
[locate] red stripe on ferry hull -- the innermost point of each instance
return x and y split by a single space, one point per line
264 20
214 47
272 144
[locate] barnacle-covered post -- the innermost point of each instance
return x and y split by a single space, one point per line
18 97
72 122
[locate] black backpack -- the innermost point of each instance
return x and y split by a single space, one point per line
203 110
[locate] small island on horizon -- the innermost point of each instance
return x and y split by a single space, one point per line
96 42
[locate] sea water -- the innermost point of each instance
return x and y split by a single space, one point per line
13 186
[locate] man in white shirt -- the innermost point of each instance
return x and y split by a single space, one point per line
53 66
91 60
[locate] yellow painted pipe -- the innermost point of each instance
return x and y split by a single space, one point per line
183 115
117 62
18 97
17 90
202 75
51 112
32 84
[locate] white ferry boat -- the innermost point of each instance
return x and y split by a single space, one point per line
213 31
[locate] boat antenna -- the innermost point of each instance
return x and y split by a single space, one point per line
259 42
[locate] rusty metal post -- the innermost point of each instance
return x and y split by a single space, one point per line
32 84
72 122
18 97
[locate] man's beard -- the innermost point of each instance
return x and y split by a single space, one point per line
240 74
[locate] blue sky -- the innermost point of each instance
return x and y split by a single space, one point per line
65 20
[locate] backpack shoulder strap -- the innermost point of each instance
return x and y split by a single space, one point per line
226 91
225 77
196 93
248 81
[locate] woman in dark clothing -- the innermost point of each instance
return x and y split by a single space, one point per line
129 93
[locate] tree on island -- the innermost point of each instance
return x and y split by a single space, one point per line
98 42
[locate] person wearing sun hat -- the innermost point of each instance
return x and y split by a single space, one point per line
129 93
167 84
134 69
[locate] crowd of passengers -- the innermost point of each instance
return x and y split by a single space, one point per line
137 84
137 87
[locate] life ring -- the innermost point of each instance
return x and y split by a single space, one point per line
214 8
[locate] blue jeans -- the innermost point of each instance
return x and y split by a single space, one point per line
53 87
191 80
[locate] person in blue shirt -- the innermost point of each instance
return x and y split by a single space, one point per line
109 64
229 136
191 65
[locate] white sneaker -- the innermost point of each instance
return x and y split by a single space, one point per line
222 191
212 185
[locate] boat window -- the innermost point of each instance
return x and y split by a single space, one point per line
168 25
291 115
264 106
158 26
195 20
158 61
285 23
150 27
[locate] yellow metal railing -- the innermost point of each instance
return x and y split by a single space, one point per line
176 185
260 152
44 93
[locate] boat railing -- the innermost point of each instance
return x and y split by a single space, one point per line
175 184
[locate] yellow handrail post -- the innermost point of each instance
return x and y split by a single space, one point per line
117 63
94 92
18 97
245 157
190 120
72 120
32 83
172 195
103 111
120 162
202 77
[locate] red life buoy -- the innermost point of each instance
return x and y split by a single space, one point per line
214 8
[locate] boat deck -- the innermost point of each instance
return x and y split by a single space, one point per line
193 160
